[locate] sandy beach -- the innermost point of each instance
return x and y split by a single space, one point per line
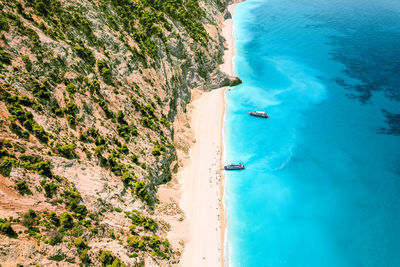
201 179
198 223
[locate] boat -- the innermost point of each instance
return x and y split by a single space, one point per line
261 114
230 167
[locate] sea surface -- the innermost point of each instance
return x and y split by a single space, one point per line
322 180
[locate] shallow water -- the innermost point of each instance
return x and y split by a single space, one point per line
322 179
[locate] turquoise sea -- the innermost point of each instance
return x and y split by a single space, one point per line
322 180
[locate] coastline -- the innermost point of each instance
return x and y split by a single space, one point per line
227 33
198 223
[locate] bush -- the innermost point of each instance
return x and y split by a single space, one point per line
142 192
40 133
105 71
55 238
28 62
19 131
70 89
148 223
118 209
67 151
84 256
80 211
109 113
50 188
40 90
157 150
127 179
5 57
23 188
80 243
31 220
6 166
126 131
52 216
85 53
94 86
66 220
135 242
135 159
106 257
43 168
83 137
4 24
6 229
71 108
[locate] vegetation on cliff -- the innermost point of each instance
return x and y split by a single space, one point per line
88 93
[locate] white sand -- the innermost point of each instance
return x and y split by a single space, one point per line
201 180
200 183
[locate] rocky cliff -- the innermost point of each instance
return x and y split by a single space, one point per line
88 94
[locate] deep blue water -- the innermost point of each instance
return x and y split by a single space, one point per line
322 183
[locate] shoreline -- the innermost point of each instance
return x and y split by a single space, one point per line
198 225
227 33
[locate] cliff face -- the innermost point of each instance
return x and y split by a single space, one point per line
88 93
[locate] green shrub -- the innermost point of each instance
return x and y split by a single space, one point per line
135 159
49 188
40 133
83 137
127 179
30 221
157 150
165 122
104 106
148 223
6 229
4 24
85 53
40 90
67 151
84 256
58 257
6 166
105 71
43 168
55 238
142 192
23 188
28 62
71 119
126 131
94 86
80 243
5 58
71 108
66 220
80 211
135 242
52 216
70 89
105 257
118 209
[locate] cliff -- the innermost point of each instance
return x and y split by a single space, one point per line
89 91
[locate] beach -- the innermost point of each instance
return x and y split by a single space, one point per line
201 180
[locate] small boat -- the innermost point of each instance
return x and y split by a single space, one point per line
261 114
230 167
